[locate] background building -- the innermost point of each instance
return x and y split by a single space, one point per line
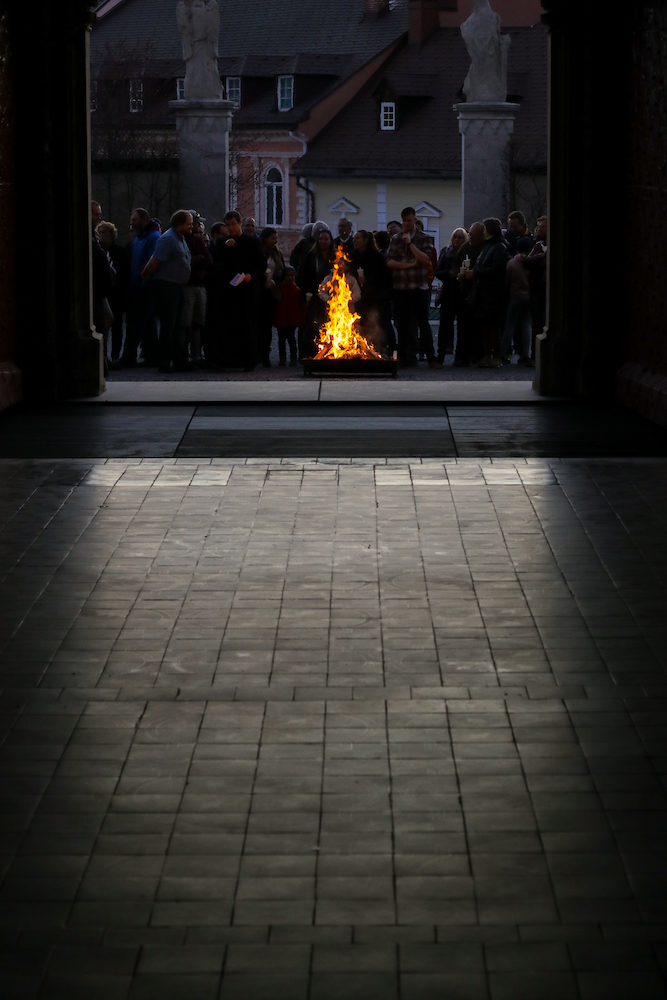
397 142
343 109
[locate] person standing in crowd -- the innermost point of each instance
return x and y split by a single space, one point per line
490 292
103 281
536 265
517 324
409 257
394 228
518 236
382 241
250 227
140 327
374 278
317 265
95 214
269 294
290 317
194 303
302 247
200 229
119 297
219 232
344 238
239 271
169 271
213 324
347 273
449 296
468 339
425 331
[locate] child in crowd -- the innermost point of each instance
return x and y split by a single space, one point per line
290 315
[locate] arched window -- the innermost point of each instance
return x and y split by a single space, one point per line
274 197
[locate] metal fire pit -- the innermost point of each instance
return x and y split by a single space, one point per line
351 366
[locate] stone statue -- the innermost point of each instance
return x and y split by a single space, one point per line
488 50
199 28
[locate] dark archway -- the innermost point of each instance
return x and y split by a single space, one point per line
607 199
608 190
53 340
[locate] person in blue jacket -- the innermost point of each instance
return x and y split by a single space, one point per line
141 312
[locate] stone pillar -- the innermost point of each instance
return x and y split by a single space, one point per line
58 349
486 130
81 346
203 139
10 374
585 339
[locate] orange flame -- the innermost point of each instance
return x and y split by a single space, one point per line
340 336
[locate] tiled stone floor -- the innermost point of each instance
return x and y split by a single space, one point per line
366 729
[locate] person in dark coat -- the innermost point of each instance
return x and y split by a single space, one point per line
344 238
490 292
140 327
518 236
303 246
468 343
119 296
449 296
316 266
269 294
374 277
237 274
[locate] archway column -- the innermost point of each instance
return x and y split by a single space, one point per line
59 351
578 351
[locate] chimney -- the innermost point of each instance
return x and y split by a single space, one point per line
374 9
424 18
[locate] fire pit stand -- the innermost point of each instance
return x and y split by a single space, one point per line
351 366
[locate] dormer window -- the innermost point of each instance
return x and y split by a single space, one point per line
285 93
233 89
180 89
388 116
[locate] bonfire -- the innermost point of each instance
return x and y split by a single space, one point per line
340 336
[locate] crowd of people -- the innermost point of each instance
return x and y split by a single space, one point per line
186 298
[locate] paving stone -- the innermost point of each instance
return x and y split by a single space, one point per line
251 752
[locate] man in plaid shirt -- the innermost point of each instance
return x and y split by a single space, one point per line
408 258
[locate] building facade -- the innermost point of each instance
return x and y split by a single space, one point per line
342 109
288 68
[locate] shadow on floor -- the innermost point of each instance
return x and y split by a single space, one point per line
327 430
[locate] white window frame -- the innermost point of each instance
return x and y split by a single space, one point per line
93 95
233 83
274 185
289 96
180 88
388 116
136 96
